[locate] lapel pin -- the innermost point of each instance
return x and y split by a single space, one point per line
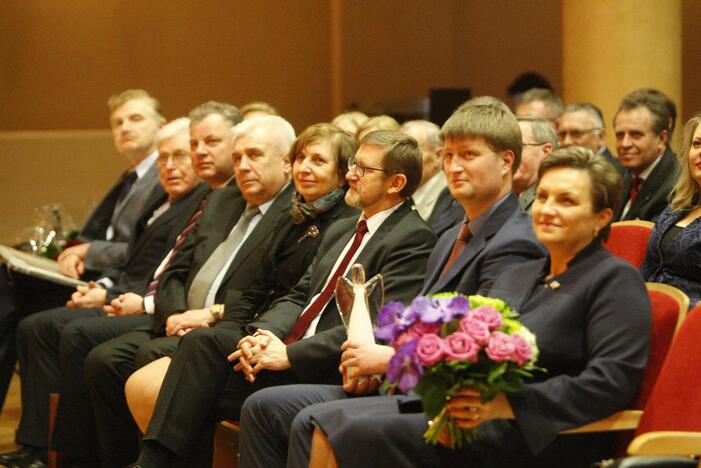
312 231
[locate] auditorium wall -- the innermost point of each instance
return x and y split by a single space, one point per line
309 58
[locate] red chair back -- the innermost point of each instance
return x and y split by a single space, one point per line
669 307
628 240
674 403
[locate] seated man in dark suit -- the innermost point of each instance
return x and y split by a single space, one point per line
298 339
482 148
216 264
155 234
642 126
539 140
135 117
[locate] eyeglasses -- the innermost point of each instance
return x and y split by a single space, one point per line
575 134
180 158
360 169
532 144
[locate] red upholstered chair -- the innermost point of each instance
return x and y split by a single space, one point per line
671 422
628 240
669 307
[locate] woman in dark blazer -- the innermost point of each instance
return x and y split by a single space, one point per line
590 313
319 158
674 248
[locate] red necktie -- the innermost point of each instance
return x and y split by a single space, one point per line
179 241
303 322
464 236
634 188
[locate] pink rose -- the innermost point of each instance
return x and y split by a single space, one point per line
477 329
430 349
522 352
416 331
461 346
488 315
501 347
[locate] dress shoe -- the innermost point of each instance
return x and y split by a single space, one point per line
19 457
36 463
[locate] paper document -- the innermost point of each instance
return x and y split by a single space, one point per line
38 267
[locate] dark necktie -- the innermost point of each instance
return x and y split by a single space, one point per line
464 236
179 241
315 308
634 188
127 183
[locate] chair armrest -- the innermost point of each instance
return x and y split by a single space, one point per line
666 443
620 421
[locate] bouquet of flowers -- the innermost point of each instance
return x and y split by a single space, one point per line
448 341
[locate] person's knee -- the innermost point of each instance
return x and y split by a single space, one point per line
100 364
154 349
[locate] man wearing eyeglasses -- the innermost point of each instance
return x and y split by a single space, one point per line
298 340
539 140
582 124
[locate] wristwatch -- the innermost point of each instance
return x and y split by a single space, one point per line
217 311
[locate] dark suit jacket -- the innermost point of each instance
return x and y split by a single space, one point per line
680 264
654 191
593 333
613 160
284 261
505 238
150 243
399 250
212 229
525 199
447 212
104 254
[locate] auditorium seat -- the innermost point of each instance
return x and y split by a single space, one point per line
628 240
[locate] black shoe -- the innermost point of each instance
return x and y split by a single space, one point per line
36 463
19 457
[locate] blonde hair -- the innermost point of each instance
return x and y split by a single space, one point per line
685 193
117 100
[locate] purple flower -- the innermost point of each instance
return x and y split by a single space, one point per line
389 321
404 368
451 307
477 329
430 349
501 347
424 309
461 346
488 315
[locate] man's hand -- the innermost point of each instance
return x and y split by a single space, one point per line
179 324
125 304
264 351
91 295
71 262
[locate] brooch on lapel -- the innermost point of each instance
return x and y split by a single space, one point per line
554 285
312 231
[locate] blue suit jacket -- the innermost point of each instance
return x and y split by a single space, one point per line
506 238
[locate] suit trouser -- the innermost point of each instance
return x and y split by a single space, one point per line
21 295
201 389
74 430
107 369
38 339
266 421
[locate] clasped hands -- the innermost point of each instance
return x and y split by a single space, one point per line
257 352
90 295
179 324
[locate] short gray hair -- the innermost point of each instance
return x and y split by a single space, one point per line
229 112
593 111
431 132
552 101
172 129
278 129
542 130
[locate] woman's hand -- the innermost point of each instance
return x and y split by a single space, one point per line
468 412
